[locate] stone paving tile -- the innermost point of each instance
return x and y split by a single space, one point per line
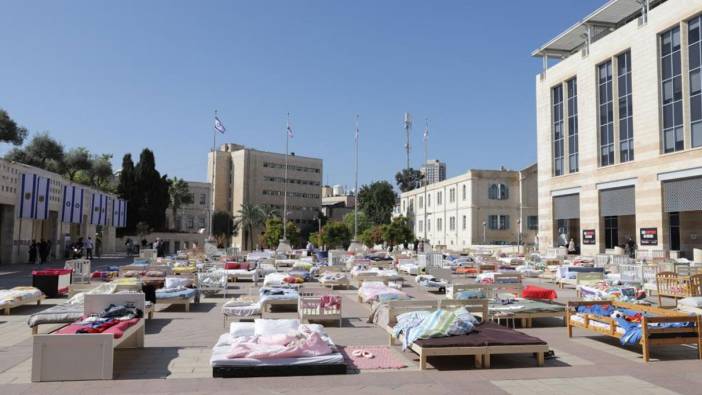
614 385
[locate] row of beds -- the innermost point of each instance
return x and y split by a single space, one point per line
387 303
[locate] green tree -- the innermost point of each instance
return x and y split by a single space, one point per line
398 232
336 234
249 218
100 171
42 151
274 232
150 191
363 222
377 201
409 179
372 236
10 132
125 189
45 152
179 196
223 226
75 160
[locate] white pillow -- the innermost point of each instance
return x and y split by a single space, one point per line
175 282
693 301
241 329
264 327
224 340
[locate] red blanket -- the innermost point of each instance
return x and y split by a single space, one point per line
534 292
117 330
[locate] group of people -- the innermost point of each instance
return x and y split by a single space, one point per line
41 249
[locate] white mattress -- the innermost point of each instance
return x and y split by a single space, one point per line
223 347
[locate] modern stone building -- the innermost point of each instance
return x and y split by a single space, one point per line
336 203
619 128
193 217
434 171
16 234
248 176
476 208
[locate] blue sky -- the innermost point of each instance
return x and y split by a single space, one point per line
116 77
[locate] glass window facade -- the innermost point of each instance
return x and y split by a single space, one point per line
671 91
557 128
572 125
532 222
439 223
694 40
626 115
606 113
439 198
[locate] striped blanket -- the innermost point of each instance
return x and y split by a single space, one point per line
440 323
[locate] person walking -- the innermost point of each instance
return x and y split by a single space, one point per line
67 244
98 245
33 252
88 248
43 251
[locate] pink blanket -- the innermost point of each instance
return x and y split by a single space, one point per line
372 293
308 344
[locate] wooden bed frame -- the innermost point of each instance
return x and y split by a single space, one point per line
81 270
85 356
677 286
481 354
491 290
7 307
663 316
141 268
308 314
360 284
277 371
581 278
334 269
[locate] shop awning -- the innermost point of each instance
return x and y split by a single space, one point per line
617 201
566 207
682 195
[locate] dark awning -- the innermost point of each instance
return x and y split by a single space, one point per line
566 207
682 195
617 201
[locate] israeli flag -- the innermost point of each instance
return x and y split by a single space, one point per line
123 214
218 125
97 209
27 197
41 203
72 207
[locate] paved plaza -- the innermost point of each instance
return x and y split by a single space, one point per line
177 350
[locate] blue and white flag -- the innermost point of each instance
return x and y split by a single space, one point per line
27 197
98 209
219 126
72 207
119 213
290 131
41 203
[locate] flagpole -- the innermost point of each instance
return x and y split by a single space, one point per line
210 210
355 206
426 149
285 184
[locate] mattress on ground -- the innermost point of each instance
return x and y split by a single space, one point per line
250 310
18 295
223 347
524 306
485 334
185 293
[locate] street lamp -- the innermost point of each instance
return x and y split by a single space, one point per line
484 233
284 245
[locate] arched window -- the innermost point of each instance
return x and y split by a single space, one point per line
504 192
492 192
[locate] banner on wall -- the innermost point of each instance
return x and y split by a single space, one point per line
589 236
649 236
98 209
72 207
119 213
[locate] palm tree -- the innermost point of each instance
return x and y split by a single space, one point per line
250 217
409 179
179 195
